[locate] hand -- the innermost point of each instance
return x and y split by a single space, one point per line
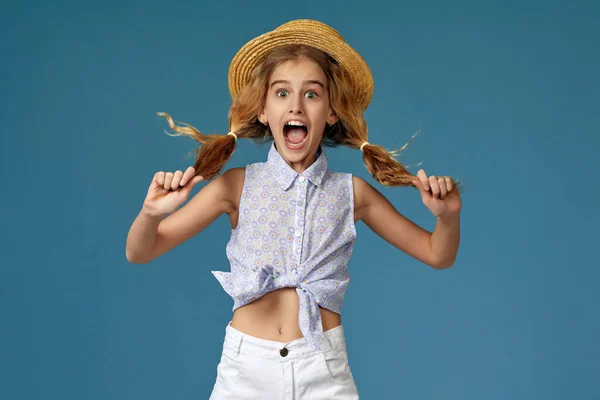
168 191
439 194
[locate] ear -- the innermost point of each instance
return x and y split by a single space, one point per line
262 116
332 118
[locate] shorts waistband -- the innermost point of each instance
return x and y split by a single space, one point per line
238 341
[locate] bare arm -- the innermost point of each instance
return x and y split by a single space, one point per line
142 235
380 215
150 237
445 240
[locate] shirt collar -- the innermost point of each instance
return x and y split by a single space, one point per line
285 175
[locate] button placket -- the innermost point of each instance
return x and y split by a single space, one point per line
299 223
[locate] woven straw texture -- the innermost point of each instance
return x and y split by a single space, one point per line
310 33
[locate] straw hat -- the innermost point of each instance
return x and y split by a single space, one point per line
311 33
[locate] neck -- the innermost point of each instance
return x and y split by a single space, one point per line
302 165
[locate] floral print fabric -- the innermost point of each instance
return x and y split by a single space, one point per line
294 230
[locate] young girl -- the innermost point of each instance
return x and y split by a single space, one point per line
293 219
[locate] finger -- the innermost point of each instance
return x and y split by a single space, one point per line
168 179
443 188
160 178
176 179
419 185
423 178
188 174
449 184
435 187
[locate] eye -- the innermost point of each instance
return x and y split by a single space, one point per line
280 92
311 94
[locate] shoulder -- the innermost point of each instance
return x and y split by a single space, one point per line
364 194
337 176
361 187
234 175
253 170
359 183
340 182
232 181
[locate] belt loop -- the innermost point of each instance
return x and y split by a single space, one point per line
236 344
234 341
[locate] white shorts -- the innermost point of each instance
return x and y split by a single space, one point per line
258 369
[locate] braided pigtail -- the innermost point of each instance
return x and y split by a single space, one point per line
214 150
384 167
388 171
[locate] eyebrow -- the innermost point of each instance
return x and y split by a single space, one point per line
309 81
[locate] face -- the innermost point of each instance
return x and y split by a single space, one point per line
297 108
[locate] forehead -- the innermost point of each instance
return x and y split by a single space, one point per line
301 69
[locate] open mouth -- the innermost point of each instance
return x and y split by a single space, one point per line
295 134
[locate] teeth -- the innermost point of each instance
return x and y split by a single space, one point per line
295 123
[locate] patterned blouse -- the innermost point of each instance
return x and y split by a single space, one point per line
294 230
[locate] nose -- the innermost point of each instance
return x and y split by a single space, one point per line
296 106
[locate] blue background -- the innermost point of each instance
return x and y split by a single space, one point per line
505 95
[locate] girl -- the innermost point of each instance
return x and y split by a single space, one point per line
293 219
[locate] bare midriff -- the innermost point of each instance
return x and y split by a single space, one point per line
274 316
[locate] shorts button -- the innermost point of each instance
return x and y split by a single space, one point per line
283 352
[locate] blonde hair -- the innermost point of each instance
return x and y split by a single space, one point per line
350 129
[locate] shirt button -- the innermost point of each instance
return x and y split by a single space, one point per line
297 233
301 179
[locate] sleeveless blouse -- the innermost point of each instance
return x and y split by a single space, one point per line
294 230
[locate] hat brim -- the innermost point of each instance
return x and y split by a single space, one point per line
254 52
